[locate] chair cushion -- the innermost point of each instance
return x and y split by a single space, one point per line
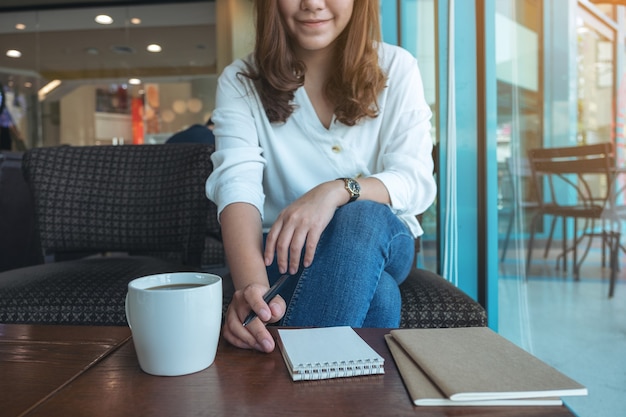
132 198
89 291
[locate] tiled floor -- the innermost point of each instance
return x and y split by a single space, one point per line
572 325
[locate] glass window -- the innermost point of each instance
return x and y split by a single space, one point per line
556 87
418 36
594 79
119 74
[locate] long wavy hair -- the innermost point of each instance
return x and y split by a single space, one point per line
353 88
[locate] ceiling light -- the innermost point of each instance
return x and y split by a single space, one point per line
134 81
14 53
46 89
104 19
20 26
154 48
135 21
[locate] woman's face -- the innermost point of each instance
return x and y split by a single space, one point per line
314 25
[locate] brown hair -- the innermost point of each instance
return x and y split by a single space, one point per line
353 88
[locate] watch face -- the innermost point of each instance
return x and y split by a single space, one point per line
354 186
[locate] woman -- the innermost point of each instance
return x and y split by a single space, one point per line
323 145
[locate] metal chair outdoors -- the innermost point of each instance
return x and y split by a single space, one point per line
577 183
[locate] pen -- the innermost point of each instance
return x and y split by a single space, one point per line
267 297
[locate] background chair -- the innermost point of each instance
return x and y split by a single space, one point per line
134 210
576 183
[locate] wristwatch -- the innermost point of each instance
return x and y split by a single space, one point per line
353 187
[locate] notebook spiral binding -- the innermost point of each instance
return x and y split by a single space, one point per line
326 370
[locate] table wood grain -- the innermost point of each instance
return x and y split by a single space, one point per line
247 383
38 361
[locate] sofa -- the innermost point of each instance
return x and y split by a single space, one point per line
83 275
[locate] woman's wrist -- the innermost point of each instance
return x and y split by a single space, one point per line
352 187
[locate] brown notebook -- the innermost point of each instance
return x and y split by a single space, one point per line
474 366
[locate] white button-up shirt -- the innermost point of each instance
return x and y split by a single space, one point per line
271 165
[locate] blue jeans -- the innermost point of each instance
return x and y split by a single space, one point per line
362 256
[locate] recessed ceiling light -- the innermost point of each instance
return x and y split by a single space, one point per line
14 53
28 84
154 48
20 26
104 19
134 81
135 21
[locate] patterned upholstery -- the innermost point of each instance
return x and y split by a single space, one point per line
429 301
136 200
120 198
89 291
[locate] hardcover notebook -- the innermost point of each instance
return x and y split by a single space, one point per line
327 352
474 366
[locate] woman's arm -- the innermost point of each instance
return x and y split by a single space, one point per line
242 236
300 225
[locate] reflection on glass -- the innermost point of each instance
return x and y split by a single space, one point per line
595 85
418 37
96 102
520 107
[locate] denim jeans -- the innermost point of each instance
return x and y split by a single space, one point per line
362 256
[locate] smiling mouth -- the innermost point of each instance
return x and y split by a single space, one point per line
314 22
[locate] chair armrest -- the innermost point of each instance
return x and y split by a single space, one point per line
430 301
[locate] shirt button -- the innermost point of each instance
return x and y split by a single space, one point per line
336 148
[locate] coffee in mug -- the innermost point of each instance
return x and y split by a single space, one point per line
174 287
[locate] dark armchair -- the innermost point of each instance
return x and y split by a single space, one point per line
104 216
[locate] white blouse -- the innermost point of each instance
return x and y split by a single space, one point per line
271 165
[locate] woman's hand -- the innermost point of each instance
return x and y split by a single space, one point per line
302 223
255 335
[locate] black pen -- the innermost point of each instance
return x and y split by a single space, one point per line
271 293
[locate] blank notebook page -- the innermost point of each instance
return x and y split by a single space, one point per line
328 352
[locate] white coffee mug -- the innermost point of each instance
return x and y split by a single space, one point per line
175 320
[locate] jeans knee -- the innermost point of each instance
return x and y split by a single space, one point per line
363 221
367 224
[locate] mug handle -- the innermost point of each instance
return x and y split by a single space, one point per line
127 312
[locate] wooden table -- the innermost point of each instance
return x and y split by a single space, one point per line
38 361
239 383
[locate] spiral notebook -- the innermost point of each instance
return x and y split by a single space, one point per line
327 352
